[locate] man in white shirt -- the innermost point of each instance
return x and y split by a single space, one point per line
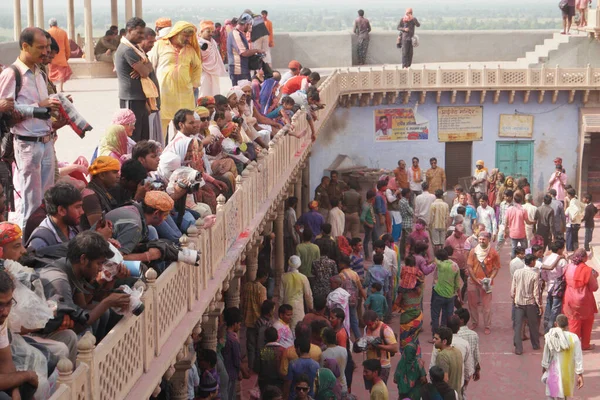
336 218
531 209
383 130
415 179
423 203
487 216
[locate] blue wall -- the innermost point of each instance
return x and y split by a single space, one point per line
350 131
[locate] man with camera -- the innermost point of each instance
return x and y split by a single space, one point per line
73 281
239 51
33 137
104 172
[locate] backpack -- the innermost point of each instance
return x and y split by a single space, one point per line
350 286
7 149
382 337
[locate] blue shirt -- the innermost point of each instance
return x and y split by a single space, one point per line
237 44
301 366
377 273
357 265
313 219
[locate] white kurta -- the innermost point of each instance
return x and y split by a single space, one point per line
562 368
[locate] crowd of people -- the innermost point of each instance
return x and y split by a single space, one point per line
78 236
84 233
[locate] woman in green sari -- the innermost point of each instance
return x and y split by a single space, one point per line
325 385
410 373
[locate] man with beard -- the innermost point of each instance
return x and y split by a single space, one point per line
64 207
176 60
96 198
137 88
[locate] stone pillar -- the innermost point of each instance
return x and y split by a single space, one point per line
30 14
279 266
89 31
210 321
138 8
232 296
306 195
128 10
17 18
298 193
71 19
179 389
252 263
39 14
114 12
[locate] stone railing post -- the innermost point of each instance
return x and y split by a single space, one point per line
232 296
210 320
251 262
85 348
151 276
65 373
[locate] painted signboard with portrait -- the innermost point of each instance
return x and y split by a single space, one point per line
399 124
460 124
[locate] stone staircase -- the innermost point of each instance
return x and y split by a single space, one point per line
540 54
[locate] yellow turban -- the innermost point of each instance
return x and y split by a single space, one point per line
181 26
104 164
202 111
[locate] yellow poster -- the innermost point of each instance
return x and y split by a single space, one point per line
460 124
397 124
516 126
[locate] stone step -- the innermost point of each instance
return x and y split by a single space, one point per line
541 51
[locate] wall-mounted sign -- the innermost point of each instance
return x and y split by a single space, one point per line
396 124
515 126
460 124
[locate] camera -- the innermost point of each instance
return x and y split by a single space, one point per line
204 46
188 178
237 120
136 306
33 112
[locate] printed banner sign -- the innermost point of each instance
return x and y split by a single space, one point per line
515 126
460 124
398 124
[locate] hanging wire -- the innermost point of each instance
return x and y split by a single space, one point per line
539 113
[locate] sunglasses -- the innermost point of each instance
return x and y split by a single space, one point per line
204 119
301 389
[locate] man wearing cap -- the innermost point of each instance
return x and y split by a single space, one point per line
294 70
312 219
480 181
96 198
259 35
65 208
131 222
239 51
212 63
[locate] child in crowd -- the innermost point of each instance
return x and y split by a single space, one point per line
410 275
232 354
588 220
376 301
517 262
207 363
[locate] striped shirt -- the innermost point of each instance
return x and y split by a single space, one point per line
438 214
525 288
237 44
407 213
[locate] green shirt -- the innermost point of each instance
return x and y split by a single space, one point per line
451 361
366 215
448 281
377 303
308 252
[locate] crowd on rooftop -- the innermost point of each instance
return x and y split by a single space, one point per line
83 233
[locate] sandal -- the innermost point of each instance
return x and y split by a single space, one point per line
487 331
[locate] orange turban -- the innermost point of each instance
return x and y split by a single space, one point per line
104 164
159 200
9 232
313 205
228 129
206 24
206 101
163 22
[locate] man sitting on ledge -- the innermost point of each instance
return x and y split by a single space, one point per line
106 47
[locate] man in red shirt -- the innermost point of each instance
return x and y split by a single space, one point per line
516 218
301 82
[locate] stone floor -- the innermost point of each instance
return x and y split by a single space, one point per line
504 375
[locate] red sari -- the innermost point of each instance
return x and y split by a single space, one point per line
579 304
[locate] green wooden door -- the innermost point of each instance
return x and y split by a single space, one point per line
515 158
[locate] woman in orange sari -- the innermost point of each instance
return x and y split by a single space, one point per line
578 303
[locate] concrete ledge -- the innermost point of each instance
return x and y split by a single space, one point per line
83 68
